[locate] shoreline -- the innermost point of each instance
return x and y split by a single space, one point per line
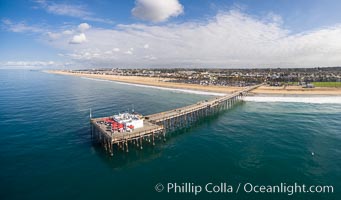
161 88
150 81
160 83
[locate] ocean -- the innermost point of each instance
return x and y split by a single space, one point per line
46 150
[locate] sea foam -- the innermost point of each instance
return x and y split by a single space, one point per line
296 99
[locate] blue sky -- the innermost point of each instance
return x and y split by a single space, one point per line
170 33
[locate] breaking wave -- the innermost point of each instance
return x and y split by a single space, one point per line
296 99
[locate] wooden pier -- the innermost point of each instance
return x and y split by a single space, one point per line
157 125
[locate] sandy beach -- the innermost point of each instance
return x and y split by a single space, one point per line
161 82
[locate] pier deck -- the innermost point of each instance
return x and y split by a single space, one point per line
148 128
198 106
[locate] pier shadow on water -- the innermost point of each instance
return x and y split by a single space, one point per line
136 156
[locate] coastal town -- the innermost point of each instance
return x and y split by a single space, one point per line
304 77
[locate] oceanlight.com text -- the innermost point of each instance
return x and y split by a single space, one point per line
224 187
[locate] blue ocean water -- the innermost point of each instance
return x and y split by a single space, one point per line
46 150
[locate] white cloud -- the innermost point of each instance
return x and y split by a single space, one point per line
68 10
77 11
78 39
83 27
146 46
6 21
150 57
272 17
29 64
67 32
129 52
116 49
53 36
157 10
57 35
35 64
21 27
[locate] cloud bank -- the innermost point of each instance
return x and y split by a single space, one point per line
229 39
32 64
